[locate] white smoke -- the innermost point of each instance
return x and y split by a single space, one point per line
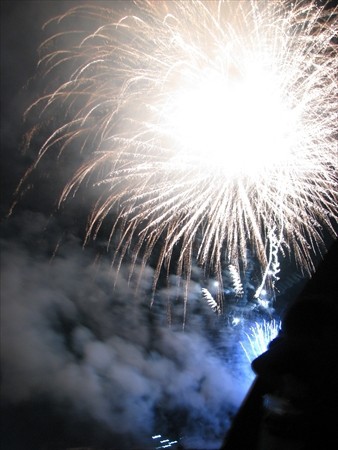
71 336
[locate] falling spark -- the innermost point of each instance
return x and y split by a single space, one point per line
201 126
166 442
211 301
236 280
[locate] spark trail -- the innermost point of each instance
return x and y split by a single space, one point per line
259 337
202 125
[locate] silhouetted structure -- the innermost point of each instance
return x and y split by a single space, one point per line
292 404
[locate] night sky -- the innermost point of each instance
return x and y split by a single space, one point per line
84 361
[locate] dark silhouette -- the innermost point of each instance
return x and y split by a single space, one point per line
293 403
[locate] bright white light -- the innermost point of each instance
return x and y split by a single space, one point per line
235 321
257 120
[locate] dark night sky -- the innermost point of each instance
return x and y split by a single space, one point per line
84 363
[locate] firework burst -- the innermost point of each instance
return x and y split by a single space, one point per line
202 125
259 337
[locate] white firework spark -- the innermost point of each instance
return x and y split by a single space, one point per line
236 280
211 301
259 337
202 124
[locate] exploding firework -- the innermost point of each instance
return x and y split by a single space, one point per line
259 337
202 127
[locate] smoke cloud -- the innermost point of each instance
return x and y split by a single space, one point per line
80 336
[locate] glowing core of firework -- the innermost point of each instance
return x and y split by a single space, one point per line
204 124
233 127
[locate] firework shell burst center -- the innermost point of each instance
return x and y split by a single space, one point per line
205 123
